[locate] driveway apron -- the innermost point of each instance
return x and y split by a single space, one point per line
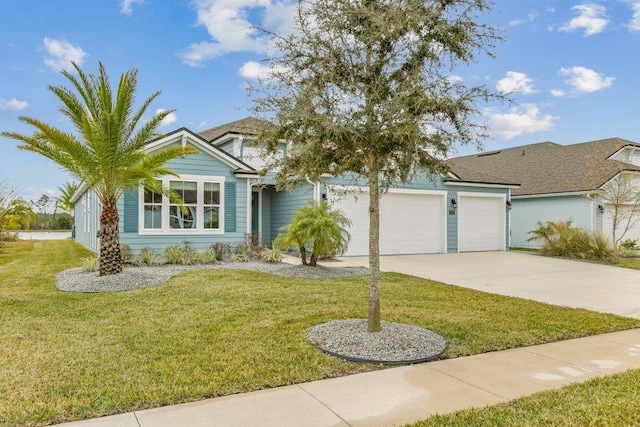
555 281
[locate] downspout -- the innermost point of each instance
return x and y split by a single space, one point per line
316 189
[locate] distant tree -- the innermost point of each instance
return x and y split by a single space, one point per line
621 198
19 215
8 193
42 204
365 87
67 190
106 152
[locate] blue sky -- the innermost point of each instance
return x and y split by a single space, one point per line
572 66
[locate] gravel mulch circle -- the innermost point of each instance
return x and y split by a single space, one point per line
76 280
395 344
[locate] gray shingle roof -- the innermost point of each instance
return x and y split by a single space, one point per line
547 168
246 126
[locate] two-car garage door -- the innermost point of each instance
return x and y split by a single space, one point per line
411 222
415 221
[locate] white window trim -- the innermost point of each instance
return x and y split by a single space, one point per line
164 228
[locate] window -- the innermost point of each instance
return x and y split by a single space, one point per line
185 216
211 205
201 211
152 209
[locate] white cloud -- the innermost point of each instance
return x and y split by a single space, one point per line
515 82
453 79
558 93
585 80
231 30
591 17
60 54
634 23
13 104
253 70
169 119
126 6
525 118
531 16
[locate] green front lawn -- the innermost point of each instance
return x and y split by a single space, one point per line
609 401
633 263
208 333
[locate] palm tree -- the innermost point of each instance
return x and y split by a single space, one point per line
106 152
67 190
319 227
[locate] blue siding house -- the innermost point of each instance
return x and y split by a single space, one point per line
227 195
562 182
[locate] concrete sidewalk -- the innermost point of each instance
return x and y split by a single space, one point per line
405 394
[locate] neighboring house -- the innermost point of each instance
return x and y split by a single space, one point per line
558 182
227 196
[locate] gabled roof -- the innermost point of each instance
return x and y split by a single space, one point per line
549 168
249 126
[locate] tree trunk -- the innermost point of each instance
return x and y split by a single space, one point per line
110 256
373 323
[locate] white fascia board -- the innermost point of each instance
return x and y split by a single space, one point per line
476 184
537 196
626 172
357 189
229 137
79 192
204 146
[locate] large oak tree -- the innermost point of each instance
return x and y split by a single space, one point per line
366 87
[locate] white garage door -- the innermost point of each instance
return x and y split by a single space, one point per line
481 222
632 232
411 222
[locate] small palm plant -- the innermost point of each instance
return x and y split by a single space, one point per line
317 227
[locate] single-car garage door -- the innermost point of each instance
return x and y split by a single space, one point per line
481 222
411 221
627 232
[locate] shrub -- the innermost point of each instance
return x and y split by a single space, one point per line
253 242
146 257
221 250
172 254
629 244
90 264
240 253
562 240
240 257
189 254
207 256
318 227
271 255
126 253
9 237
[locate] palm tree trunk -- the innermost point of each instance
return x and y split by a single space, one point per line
110 256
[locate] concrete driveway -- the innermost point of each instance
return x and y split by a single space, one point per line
554 281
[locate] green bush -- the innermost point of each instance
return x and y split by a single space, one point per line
172 254
629 244
317 227
561 239
240 257
90 264
208 256
271 255
146 257
189 255
126 253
